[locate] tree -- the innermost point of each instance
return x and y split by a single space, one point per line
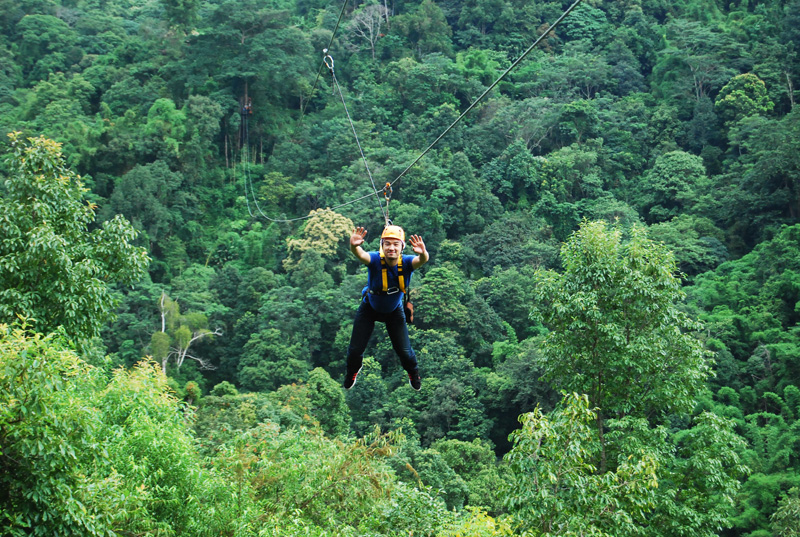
367 22
369 400
656 484
514 239
468 204
616 332
263 56
576 73
557 489
586 22
480 14
426 29
167 123
578 121
269 361
60 108
441 301
330 487
516 175
454 411
181 13
47 440
52 269
44 45
786 520
178 333
81 455
749 307
203 126
701 469
765 180
744 95
479 524
695 241
692 64
148 441
672 186
480 64
475 463
322 233
328 403
148 197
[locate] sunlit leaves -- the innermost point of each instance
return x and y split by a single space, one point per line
52 269
47 433
744 95
324 233
556 488
616 333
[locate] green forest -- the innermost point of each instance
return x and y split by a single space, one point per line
608 330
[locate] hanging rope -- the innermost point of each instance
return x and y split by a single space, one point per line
328 60
247 177
490 88
244 139
249 189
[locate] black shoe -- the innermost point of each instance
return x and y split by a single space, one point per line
414 380
350 380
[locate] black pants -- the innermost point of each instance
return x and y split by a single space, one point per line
364 324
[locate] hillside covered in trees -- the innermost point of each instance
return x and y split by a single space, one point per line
608 330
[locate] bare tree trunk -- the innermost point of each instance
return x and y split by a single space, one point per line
367 23
163 312
182 353
791 89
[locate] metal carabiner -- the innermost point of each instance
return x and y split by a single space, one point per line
326 58
387 191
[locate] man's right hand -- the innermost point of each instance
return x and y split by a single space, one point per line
356 240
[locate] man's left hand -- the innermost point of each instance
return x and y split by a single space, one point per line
417 244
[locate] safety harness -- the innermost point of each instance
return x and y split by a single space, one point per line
401 287
385 277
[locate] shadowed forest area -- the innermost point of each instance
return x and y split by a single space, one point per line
607 331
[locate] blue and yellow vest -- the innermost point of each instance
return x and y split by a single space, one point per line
386 286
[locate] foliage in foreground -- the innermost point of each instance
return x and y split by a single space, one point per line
656 483
81 454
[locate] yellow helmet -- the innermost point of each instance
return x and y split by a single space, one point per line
394 232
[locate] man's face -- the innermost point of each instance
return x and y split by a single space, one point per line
392 248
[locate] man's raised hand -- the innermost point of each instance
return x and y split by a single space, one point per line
417 244
357 238
419 248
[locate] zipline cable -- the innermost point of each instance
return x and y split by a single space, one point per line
328 61
442 135
322 64
490 88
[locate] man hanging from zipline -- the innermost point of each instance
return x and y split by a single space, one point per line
389 275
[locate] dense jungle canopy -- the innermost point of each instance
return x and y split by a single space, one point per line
608 330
